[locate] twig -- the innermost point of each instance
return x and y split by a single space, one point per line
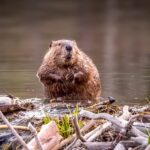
86 136
77 130
15 127
14 131
34 132
140 110
70 146
97 145
92 135
109 101
71 138
78 133
142 125
103 128
139 147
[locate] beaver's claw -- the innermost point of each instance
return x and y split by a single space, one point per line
69 77
79 76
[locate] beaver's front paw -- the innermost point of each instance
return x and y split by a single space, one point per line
55 77
79 77
69 77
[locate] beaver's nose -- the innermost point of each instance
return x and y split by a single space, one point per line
68 48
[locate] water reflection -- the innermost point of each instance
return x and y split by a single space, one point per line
116 34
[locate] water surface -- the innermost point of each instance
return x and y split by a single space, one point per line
115 34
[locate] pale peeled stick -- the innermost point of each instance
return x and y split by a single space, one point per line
48 136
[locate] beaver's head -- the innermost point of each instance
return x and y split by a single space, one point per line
63 52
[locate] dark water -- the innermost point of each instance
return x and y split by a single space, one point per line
114 33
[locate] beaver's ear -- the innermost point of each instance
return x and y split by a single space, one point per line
51 43
74 42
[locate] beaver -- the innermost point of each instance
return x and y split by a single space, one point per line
68 73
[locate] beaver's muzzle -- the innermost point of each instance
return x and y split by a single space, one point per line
68 47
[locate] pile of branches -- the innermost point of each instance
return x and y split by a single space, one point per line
129 128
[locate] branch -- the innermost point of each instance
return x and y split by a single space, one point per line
70 146
77 130
109 101
108 117
15 127
78 133
119 146
71 138
14 131
148 147
103 128
140 140
97 145
34 132
113 120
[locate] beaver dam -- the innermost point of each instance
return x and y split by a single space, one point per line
37 124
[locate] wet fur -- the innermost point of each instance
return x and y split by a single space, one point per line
77 79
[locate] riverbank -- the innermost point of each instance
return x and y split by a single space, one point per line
105 124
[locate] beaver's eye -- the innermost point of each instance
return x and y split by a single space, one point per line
50 45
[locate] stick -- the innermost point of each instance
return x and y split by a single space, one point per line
70 146
34 132
15 127
126 114
140 110
113 120
140 140
14 131
71 138
108 117
119 146
77 130
86 136
134 129
91 136
106 102
128 143
104 127
78 133
148 147
97 145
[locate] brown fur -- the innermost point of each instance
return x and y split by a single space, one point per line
75 78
